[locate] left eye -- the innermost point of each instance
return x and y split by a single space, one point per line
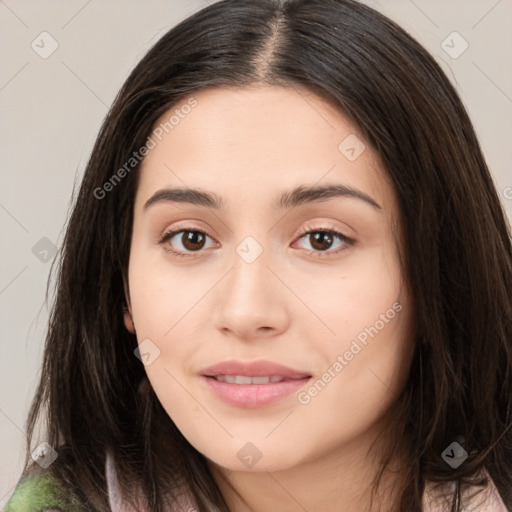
321 240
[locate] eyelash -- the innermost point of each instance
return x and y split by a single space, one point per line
348 242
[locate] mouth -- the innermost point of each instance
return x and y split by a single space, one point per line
239 370
252 384
245 379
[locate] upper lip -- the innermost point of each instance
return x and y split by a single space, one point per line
253 369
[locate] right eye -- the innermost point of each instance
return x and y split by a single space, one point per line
192 240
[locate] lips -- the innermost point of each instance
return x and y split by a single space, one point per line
254 384
253 369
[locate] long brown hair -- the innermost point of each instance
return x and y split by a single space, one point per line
93 393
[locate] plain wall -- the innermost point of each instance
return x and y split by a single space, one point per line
51 110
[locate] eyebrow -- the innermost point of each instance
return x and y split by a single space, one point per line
289 199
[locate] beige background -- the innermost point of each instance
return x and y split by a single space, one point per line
51 109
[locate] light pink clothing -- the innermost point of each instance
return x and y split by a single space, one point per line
486 501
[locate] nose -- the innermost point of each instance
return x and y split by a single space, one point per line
251 302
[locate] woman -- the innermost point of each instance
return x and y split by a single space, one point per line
285 284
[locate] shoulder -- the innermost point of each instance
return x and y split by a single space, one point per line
40 492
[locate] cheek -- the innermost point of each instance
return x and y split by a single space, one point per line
361 379
353 296
367 353
161 293
170 313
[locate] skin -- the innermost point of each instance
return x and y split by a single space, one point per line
295 304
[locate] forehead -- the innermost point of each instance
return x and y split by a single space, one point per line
247 143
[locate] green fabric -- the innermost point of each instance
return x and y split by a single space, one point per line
37 493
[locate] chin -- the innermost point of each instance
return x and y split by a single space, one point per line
253 458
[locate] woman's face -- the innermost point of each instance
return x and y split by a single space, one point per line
268 281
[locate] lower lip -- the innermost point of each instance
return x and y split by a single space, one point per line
251 396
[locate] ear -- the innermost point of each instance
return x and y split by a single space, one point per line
127 310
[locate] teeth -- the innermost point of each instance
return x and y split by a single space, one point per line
243 379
